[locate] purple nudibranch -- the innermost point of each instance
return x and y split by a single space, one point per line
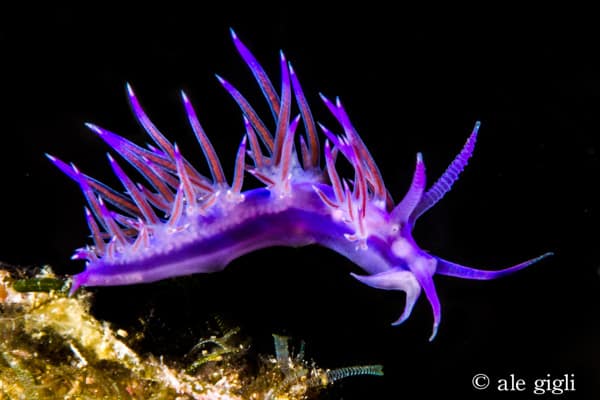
180 222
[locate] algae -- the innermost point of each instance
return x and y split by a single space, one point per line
52 348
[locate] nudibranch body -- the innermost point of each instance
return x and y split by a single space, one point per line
180 222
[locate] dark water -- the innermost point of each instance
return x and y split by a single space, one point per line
411 82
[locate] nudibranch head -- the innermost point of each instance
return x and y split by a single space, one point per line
179 221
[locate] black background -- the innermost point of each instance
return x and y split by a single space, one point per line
412 82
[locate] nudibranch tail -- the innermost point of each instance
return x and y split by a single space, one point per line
177 221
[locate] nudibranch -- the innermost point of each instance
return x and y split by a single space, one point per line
180 222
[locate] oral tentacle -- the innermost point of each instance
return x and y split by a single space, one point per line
448 268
